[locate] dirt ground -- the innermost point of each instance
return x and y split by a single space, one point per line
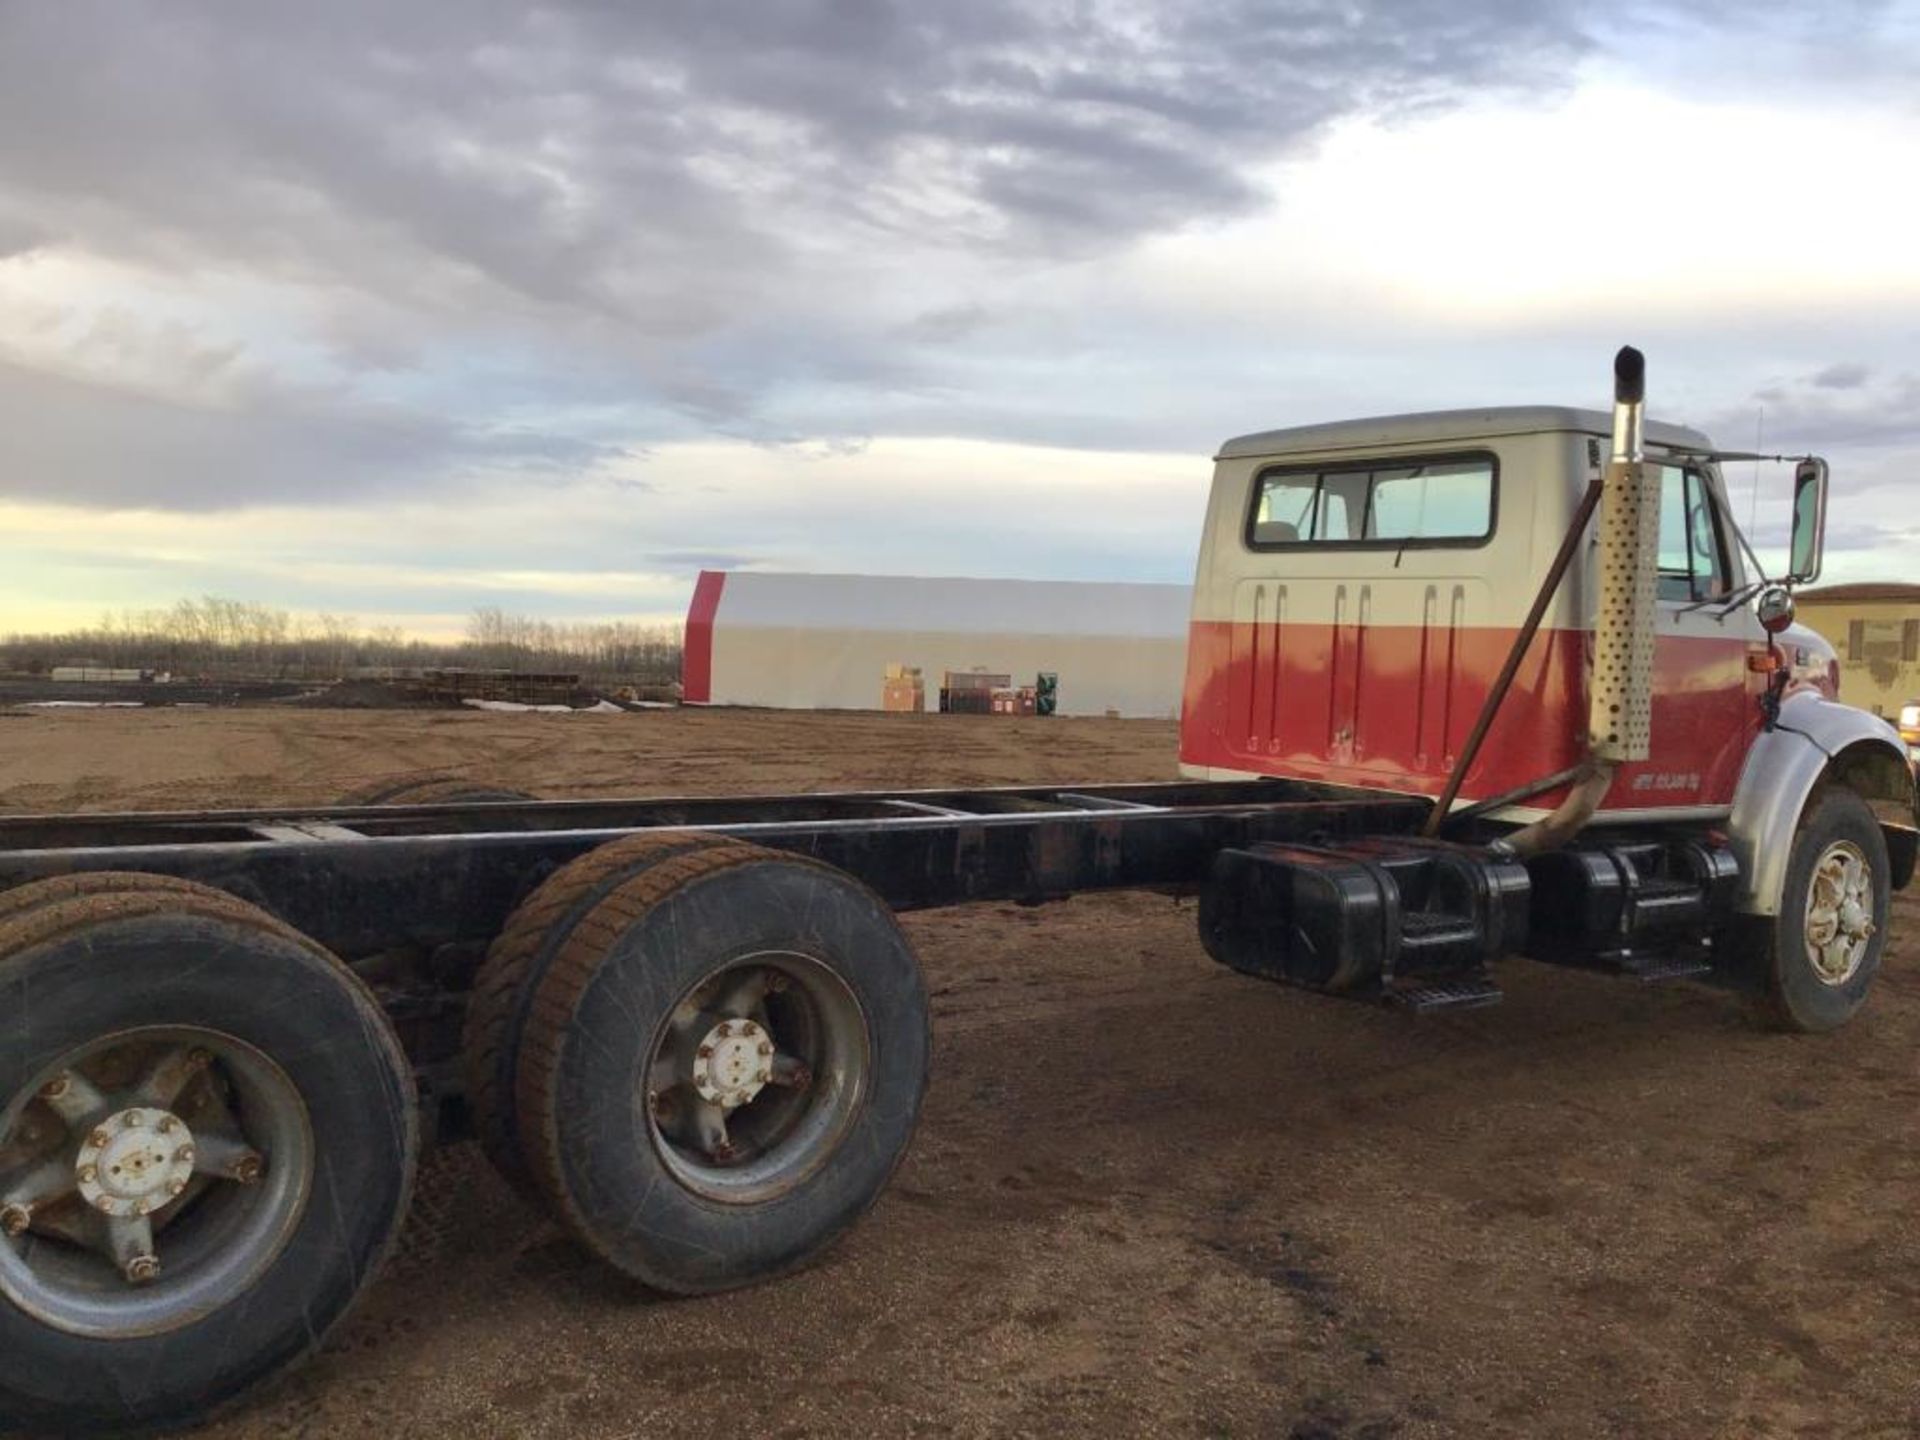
1148 1197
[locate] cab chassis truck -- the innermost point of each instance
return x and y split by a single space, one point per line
691 1029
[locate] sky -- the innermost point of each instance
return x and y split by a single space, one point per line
397 311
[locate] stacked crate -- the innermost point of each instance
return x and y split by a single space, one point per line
903 689
970 692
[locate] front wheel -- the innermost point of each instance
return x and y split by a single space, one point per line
1821 952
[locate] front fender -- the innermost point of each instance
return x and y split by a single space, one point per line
1816 740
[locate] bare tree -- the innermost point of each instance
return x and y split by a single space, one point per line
216 635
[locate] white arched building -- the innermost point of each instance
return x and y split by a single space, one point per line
824 642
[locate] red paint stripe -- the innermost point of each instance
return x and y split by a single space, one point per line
1389 704
696 656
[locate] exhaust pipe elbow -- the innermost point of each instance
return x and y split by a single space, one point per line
1569 817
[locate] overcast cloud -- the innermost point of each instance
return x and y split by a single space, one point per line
324 260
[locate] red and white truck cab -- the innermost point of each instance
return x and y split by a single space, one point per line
1361 583
1362 586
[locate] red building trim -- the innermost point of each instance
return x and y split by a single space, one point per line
696 658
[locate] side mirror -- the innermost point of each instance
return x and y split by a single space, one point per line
1809 520
1774 609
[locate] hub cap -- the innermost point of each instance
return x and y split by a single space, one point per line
148 1178
756 1077
134 1162
733 1063
1839 922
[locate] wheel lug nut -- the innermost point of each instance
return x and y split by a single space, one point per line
776 982
705 1052
99 1138
15 1219
726 1029
199 1059
131 1119
184 1155
246 1170
55 1088
766 1047
142 1270
88 1174
168 1125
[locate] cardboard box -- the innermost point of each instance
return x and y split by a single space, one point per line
905 696
903 689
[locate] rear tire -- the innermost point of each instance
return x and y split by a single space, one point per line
504 985
728 957
126 1001
1819 955
433 790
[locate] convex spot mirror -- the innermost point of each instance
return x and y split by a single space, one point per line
1809 520
1774 607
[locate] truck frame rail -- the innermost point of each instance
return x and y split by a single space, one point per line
366 879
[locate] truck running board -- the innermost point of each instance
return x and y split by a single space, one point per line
1466 993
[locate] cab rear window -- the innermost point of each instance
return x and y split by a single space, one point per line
1441 500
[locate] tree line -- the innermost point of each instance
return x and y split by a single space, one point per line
217 636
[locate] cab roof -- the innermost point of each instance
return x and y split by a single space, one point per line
1445 426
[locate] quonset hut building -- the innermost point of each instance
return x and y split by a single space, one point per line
825 642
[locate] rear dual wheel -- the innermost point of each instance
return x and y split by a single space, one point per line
207 1140
433 790
717 1055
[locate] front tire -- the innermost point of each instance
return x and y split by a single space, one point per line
1821 952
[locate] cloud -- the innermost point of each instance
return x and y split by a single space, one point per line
80 442
660 173
19 235
362 255
1839 406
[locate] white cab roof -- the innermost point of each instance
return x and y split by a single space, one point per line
1445 427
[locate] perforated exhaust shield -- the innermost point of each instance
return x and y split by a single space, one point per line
1621 691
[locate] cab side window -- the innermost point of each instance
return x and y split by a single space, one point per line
1692 563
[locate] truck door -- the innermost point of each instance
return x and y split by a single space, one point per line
1704 710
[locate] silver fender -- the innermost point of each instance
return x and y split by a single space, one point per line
1816 739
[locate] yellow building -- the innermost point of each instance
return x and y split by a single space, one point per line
1875 627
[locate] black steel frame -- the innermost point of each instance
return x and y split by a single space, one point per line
369 880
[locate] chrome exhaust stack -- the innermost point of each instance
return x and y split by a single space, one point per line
1620 678
1620 687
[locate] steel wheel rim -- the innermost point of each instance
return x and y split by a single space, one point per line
234 1173
1839 924
785 1130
